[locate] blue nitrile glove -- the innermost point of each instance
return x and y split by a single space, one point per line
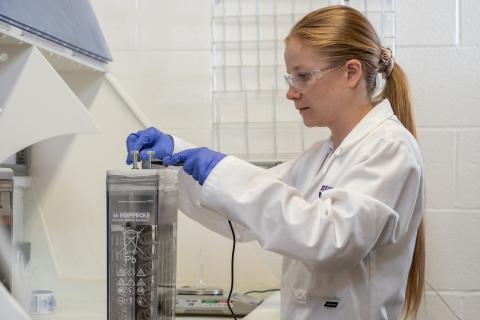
197 162
149 139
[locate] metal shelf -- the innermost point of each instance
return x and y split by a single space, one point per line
247 86
285 15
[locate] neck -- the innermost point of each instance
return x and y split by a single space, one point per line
350 119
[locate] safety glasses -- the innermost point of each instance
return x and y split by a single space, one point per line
302 81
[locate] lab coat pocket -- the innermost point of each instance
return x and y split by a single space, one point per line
300 294
300 279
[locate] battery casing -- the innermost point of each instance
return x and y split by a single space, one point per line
141 243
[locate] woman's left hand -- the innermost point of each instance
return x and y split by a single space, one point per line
197 162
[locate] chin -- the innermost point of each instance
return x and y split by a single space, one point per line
309 123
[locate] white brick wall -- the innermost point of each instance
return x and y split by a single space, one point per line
441 188
452 262
443 80
469 13
468 169
168 85
426 23
438 48
434 308
162 56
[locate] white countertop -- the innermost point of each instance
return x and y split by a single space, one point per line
268 310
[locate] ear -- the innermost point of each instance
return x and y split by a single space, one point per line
354 72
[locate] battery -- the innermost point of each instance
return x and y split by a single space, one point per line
141 243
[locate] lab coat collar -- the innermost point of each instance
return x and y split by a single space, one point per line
370 121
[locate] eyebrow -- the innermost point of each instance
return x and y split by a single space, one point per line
298 67
301 67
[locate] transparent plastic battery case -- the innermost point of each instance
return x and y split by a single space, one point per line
141 245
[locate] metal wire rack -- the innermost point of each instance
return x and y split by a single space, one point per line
250 116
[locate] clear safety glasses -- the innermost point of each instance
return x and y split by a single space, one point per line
302 81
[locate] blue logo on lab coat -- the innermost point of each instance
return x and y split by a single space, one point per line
324 188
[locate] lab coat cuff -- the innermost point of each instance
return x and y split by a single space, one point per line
180 144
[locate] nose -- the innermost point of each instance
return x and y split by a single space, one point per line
293 94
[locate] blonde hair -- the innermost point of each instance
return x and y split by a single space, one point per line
341 33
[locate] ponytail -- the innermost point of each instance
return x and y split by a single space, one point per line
396 90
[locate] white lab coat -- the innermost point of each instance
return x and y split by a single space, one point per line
344 221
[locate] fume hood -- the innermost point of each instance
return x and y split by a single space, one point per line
33 50
38 53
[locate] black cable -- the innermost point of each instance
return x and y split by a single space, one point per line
231 270
261 291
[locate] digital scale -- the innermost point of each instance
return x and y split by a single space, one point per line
209 301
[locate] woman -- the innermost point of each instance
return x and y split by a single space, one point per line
346 214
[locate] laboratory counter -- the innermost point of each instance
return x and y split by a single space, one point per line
269 309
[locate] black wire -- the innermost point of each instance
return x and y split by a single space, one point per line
261 291
231 270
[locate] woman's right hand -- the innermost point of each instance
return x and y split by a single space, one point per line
150 139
